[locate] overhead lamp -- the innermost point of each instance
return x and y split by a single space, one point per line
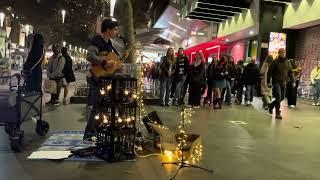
173 33
177 26
64 43
178 14
63 13
112 4
251 32
227 40
27 29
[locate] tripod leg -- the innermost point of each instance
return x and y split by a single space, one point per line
190 165
176 173
174 163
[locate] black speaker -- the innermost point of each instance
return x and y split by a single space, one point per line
151 117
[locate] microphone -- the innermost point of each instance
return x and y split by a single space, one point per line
125 40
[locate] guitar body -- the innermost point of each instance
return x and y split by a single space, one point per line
112 64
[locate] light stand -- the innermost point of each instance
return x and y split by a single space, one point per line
182 164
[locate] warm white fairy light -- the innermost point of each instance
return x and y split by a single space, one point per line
109 87
126 92
97 117
102 92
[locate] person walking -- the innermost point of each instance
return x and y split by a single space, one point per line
167 69
250 78
68 73
279 71
315 82
239 82
265 90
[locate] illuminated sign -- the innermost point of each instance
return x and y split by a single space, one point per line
197 33
276 42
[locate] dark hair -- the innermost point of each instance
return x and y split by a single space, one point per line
108 24
37 42
64 51
240 62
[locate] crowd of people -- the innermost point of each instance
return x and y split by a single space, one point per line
218 81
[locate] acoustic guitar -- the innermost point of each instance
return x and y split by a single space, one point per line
111 63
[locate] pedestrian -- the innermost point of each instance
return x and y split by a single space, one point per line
265 90
196 80
210 77
32 67
239 81
180 75
167 69
219 81
292 92
315 82
279 71
68 73
55 72
226 92
250 77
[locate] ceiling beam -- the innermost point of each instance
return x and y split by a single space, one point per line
279 1
205 18
210 15
209 11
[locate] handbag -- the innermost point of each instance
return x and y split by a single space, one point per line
50 86
63 82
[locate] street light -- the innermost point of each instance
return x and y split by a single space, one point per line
2 15
64 43
63 12
27 29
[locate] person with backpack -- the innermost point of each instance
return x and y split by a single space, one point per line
54 72
68 74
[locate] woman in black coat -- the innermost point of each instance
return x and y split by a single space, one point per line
196 80
68 73
32 70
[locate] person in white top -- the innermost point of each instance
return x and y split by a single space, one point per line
315 82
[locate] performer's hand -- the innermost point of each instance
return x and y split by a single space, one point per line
126 55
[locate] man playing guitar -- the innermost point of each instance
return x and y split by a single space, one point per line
100 46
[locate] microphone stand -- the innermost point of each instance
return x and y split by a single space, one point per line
182 164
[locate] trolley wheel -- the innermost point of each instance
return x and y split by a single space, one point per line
15 144
42 127
21 136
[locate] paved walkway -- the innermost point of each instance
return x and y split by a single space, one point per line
262 149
